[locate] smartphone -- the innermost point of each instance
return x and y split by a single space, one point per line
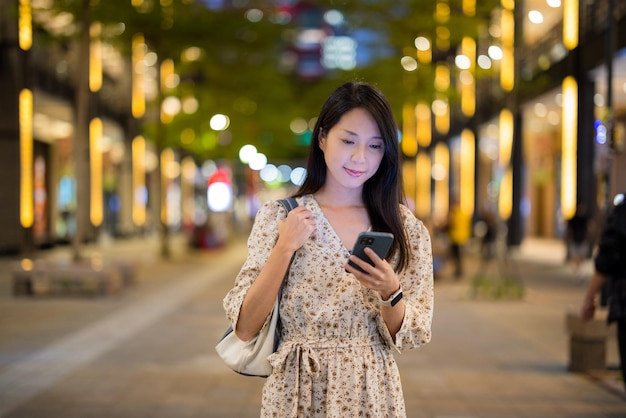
380 242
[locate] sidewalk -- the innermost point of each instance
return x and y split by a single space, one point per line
148 352
507 358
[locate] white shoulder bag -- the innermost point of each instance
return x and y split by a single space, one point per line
249 358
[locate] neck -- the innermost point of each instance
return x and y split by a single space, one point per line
327 196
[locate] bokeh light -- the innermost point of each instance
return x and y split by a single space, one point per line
219 122
246 153
298 175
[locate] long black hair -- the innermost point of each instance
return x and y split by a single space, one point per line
382 193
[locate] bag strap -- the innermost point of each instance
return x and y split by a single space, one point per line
289 203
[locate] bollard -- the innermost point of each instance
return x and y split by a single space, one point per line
587 342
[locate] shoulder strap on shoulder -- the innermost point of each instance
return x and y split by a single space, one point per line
289 203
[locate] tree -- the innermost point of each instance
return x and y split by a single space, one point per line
238 71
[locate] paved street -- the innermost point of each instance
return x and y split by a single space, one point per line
148 351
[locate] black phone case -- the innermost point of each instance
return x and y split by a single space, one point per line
380 242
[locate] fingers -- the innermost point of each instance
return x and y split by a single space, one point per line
588 311
367 267
379 277
301 215
300 212
364 265
297 227
372 255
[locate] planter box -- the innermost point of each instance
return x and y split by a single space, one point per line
587 342
46 278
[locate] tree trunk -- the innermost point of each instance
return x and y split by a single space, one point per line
162 209
81 135
164 232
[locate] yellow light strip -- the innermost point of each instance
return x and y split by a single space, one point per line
167 70
507 23
507 69
422 185
26 158
138 99
443 38
507 64
167 158
468 94
442 77
424 130
570 24
569 147
442 12
467 180
409 143
508 4
408 178
25 25
468 85
469 7
96 208
441 205
505 198
442 114
505 146
95 57
505 127
468 48
139 180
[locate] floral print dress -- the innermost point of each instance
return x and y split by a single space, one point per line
335 358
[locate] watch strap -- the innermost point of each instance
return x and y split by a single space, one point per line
393 299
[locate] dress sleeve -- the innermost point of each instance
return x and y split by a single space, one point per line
262 239
417 288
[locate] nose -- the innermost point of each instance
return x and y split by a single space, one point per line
359 153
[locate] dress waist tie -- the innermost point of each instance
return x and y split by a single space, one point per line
300 354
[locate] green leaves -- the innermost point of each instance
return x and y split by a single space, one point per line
239 71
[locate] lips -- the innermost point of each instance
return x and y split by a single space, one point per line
354 173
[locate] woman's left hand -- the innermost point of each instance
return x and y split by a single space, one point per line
380 277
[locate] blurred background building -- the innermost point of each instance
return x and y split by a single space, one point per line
145 116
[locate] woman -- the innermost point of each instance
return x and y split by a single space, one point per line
610 263
339 326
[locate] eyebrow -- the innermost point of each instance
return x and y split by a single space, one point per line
349 132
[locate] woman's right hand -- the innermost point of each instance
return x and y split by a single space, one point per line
588 309
296 229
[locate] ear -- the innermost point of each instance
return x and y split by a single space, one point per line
322 140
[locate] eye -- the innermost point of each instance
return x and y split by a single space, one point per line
378 145
347 141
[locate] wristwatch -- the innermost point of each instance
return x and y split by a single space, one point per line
393 299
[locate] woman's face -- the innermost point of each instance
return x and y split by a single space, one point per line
353 149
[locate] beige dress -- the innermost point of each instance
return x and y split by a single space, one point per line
335 358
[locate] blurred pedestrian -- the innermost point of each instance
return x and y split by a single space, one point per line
489 234
487 230
340 326
610 270
459 232
578 238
